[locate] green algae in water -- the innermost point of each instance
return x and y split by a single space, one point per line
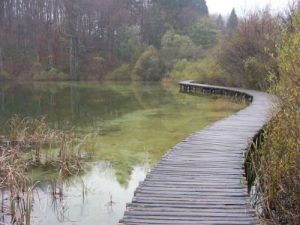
135 124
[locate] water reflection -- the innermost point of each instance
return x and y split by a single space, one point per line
86 200
66 104
133 124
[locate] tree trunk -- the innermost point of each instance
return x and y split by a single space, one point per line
50 56
1 61
3 99
71 60
73 57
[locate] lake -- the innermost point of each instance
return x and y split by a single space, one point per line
134 125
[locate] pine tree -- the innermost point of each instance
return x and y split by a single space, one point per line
232 22
181 14
220 22
202 7
177 5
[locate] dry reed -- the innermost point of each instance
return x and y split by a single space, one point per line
29 142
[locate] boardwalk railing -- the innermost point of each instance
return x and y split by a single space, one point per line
201 180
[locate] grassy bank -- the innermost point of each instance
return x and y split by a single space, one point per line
277 161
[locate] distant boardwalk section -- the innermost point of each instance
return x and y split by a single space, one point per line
201 180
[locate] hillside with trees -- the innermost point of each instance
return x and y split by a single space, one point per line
158 40
87 39
142 40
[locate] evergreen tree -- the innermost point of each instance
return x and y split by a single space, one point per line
177 5
232 22
220 22
205 32
180 14
202 7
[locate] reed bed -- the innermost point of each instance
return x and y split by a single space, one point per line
30 142
276 160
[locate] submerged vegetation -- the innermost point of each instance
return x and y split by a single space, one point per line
33 141
125 119
145 40
29 143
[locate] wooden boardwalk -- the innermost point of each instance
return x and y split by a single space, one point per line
201 180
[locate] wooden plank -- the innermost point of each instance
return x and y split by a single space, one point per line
201 179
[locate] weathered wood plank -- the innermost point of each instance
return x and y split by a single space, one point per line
201 180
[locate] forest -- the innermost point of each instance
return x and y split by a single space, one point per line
170 40
107 39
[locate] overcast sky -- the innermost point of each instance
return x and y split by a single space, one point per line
224 7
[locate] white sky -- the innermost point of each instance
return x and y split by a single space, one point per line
224 7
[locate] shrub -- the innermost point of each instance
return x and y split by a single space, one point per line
183 70
176 47
130 43
205 32
279 172
246 52
122 73
51 75
205 70
148 67
5 76
173 40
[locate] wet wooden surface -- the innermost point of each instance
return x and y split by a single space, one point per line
201 180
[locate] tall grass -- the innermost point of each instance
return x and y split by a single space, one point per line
29 142
277 162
